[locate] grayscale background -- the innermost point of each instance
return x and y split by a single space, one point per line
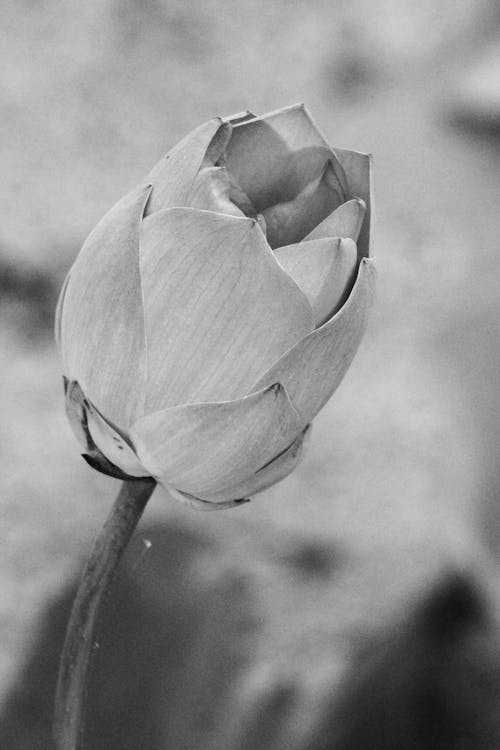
353 605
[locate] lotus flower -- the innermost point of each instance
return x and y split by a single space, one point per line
215 309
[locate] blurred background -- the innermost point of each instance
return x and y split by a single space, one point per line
241 629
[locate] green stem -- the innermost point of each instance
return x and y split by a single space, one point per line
97 576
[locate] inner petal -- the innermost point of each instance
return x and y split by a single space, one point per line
275 156
290 221
211 192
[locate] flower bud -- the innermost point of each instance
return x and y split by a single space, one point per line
215 309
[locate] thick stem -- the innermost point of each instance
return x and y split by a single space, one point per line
99 571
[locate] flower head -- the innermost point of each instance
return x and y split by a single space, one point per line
215 309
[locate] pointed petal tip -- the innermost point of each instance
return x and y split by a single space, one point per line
217 146
105 450
364 154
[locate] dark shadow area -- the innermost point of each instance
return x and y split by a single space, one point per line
28 298
433 682
178 641
169 647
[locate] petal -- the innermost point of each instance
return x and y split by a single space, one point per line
275 156
359 170
219 309
323 269
201 448
269 474
314 368
80 416
292 220
240 198
211 191
102 317
58 315
112 444
173 176
75 411
198 504
345 221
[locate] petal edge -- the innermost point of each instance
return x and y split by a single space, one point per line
102 333
313 369
200 448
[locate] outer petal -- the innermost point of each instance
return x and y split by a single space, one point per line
173 176
102 318
268 475
113 445
314 368
323 269
345 221
359 168
58 315
94 434
292 220
201 448
219 310
239 117
275 156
